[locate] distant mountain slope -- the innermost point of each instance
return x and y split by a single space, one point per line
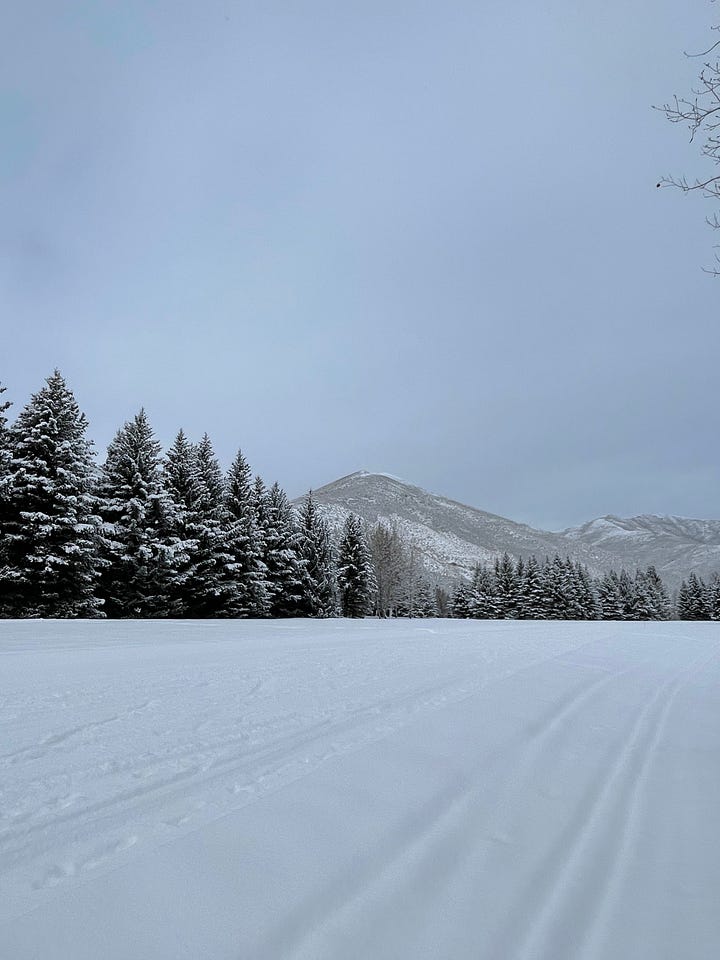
675 545
452 537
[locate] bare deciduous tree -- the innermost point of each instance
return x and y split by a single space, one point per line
700 113
395 562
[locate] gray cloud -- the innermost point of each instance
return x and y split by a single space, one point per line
416 237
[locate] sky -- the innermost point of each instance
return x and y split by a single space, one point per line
414 237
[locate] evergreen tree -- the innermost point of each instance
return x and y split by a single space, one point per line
244 542
425 600
5 458
355 574
658 593
650 597
628 596
713 597
555 589
461 603
319 585
180 480
140 556
531 605
482 597
5 451
681 605
693 599
506 587
610 597
51 528
210 587
281 551
581 601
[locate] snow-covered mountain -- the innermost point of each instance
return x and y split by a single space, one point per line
675 545
452 537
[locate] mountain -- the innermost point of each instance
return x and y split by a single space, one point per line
675 545
451 537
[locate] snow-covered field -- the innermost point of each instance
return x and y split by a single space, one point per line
340 790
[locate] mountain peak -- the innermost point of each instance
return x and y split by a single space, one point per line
450 538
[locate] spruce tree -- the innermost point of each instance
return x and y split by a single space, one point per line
610 597
51 565
5 452
244 542
280 542
355 574
555 589
139 553
461 601
482 596
425 599
532 599
628 596
713 597
210 587
658 593
5 458
319 584
179 478
506 587
696 599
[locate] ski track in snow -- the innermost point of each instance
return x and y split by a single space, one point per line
519 791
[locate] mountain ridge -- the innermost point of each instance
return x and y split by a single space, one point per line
451 537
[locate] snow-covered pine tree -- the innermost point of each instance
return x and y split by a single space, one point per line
658 593
461 601
5 457
609 596
210 588
355 573
51 530
693 600
579 593
179 480
319 583
650 597
628 596
482 596
713 597
555 588
587 598
506 587
180 477
140 556
4 436
681 604
424 599
244 542
281 550
531 600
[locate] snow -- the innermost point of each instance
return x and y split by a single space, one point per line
335 789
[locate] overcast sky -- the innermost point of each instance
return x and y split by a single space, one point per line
414 237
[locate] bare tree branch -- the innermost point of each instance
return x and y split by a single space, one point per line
700 112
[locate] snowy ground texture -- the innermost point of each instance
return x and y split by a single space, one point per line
338 790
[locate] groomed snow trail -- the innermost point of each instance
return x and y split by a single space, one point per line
359 790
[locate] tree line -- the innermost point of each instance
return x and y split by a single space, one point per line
152 535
